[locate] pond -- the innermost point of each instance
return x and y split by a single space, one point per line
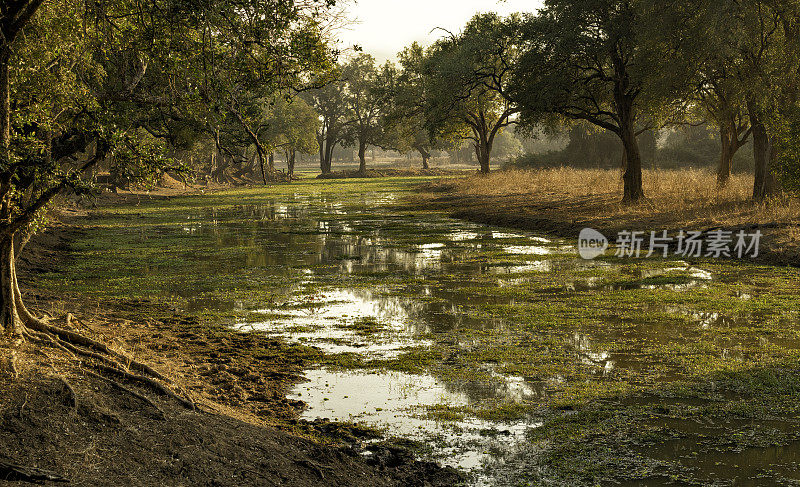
482 344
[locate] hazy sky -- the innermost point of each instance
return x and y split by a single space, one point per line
384 27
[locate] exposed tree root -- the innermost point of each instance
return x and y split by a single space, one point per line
44 339
73 397
128 391
72 338
13 365
315 467
102 362
18 473
95 353
147 381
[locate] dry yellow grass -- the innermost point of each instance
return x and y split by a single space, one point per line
688 196
561 201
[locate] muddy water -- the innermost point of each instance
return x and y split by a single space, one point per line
462 337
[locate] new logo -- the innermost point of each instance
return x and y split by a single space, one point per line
591 244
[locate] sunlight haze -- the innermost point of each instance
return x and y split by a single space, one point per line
384 28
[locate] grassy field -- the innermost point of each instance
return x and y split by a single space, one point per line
564 200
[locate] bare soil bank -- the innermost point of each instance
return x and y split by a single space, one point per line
62 418
561 202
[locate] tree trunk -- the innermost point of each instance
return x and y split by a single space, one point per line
5 102
483 154
321 144
362 158
765 182
218 163
726 155
328 162
632 177
425 158
290 158
263 172
9 318
624 101
10 321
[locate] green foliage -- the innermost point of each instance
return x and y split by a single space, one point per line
365 97
585 60
404 121
141 158
126 84
292 125
468 76
328 100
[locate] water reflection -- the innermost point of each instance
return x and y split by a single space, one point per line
398 403
350 276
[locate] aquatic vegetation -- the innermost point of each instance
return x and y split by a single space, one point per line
508 329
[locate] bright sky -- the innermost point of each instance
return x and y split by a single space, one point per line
384 27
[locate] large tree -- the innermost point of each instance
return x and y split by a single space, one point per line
745 57
468 76
404 120
328 100
366 98
588 60
84 83
765 46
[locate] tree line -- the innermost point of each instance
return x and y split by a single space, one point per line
629 68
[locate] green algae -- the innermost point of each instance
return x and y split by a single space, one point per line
586 340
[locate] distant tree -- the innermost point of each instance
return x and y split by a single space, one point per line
365 96
292 126
707 75
467 77
729 113
328 101
747 60
404 120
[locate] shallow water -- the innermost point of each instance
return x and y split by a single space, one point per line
454 334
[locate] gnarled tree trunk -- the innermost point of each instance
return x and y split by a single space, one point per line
10 320
765 182
362 158
425 158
